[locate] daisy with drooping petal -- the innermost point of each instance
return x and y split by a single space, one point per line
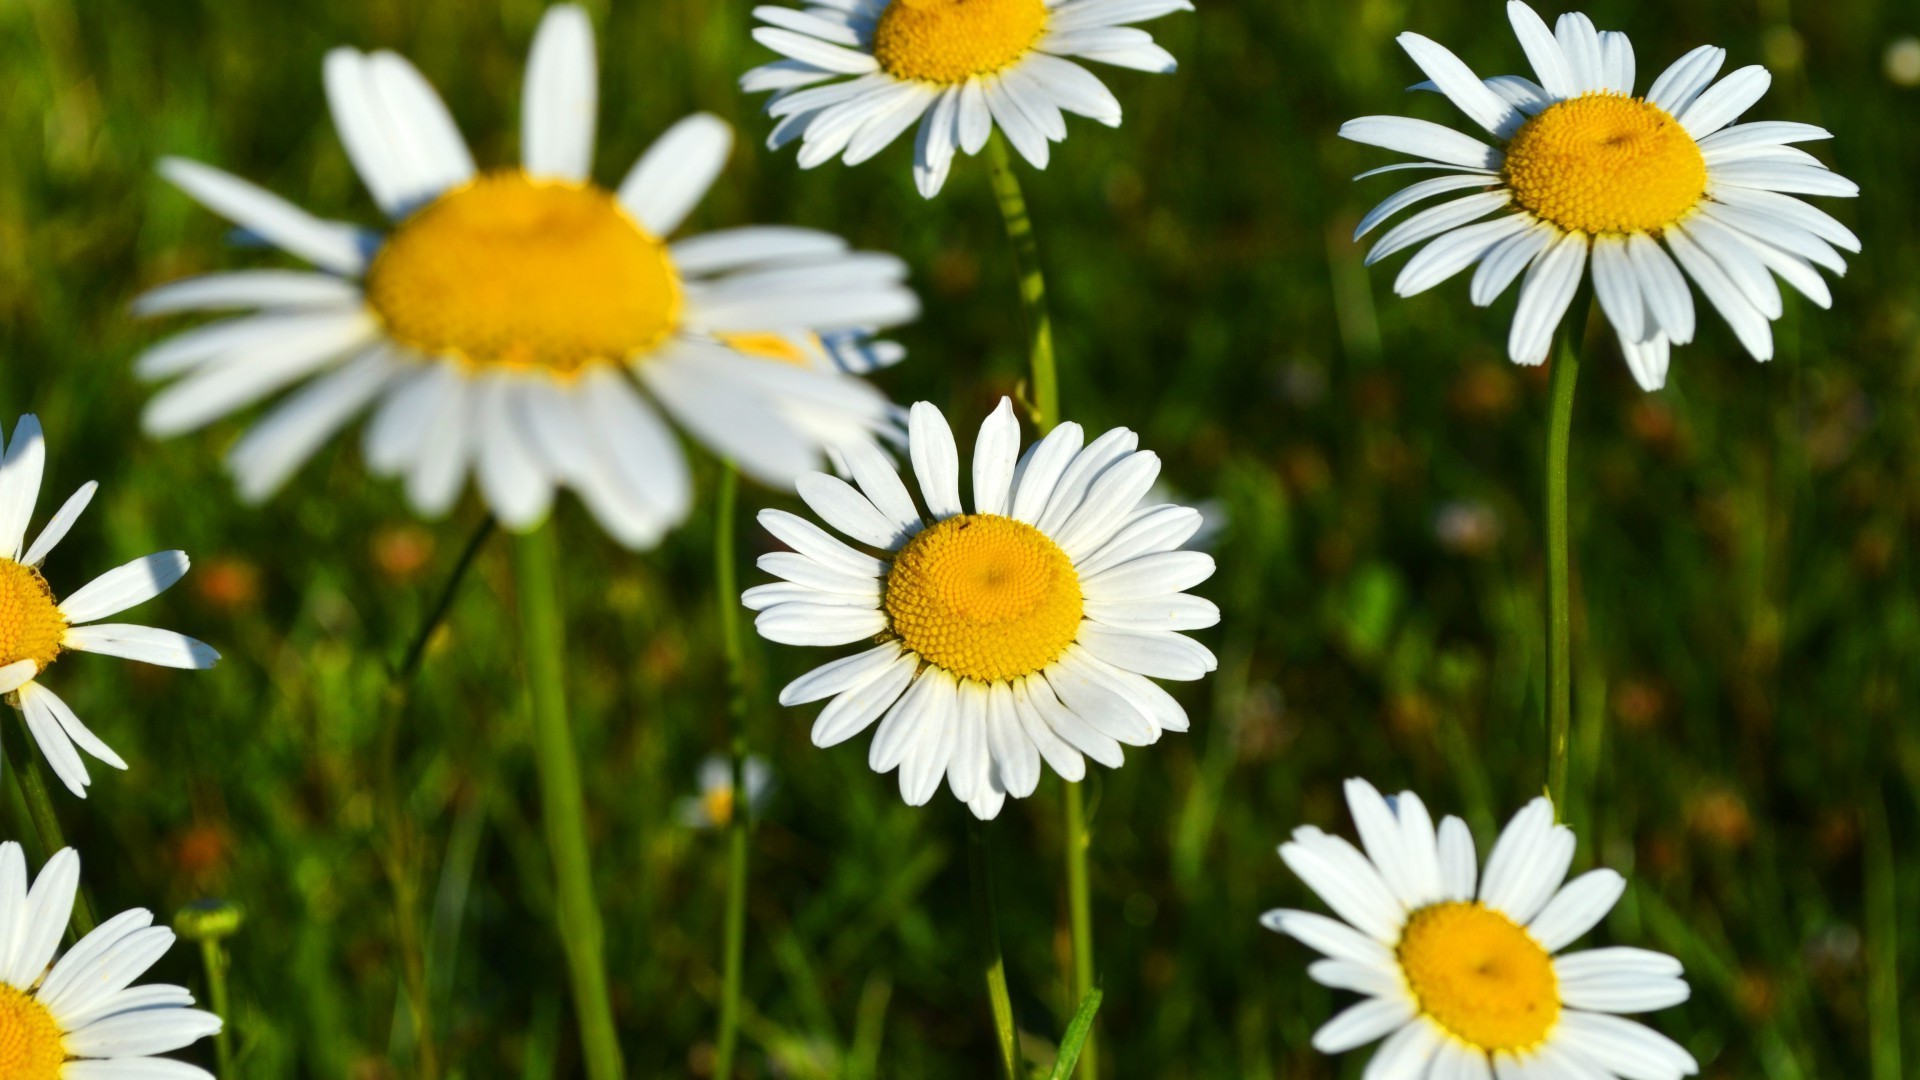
1029 629
79 1016
1462 971
1650 191
525 323
36 628
959 68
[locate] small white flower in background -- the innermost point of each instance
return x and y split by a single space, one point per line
79 1016
1466 527
1030 629
36 628
1902 61
1461 972
525 324
716 804
958 68
1641 188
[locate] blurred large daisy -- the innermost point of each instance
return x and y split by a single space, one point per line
1029 629
959 68
1652 191
36 627
79 1016
1462 971
525 323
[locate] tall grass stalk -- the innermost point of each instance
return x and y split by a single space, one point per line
739 823
993 965
562 804
1566 372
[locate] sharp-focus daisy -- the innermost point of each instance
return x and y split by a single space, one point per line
35 628
716 804
958 67
80 1017
1466 982
1030 629
525 322
1652 191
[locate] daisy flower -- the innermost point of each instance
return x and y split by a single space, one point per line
525 323
36 627
1651 191
1467 982
959 67
1028 630
82 1018
716 804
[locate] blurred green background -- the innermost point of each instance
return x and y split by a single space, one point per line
1747 633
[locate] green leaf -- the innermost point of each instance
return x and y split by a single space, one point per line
1076 1037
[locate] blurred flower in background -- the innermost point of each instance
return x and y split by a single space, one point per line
511 320
1029 629
717 802
1902 61
35 628
958 68
1598 175
1466 527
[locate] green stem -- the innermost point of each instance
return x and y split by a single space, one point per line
32 782
1566 371
562 804
1044 408
987 930
739 823
214 955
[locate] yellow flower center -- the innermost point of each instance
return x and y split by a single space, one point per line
718 804
512 271
1480 975
768 346
984 597
29 1038
1606 163
31 625
950 41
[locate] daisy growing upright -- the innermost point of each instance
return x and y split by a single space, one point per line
957 68
36 627
526 324
1649 191
1029 629
1462 970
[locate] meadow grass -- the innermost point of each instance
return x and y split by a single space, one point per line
1747 636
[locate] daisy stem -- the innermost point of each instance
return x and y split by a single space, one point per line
987 927
562 804
1044 404
33 791
1566 371
213 954
1045 411
727 585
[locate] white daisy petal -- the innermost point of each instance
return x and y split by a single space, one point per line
143 643
1016 758
20 473
43 723
1458 866
974 120
1504 262
1176 612
844 508
816 543
236 381
1580 42
674 174
1422 138
12 677
1347 881
936 462
1617 960
1149 576
1435 220
1668 300
1361 1024
1413 193
276 447
1723 103
1681 83
1746 320
854 709
1041 473
1625 1047
1452 252
994 454
126 586
1549 60
326 244
812 50
560 97
1059 754
1577 908
1462 86
818 624
1617 287
1148 532
1406 1053
1544 298
253 289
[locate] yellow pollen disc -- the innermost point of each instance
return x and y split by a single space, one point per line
31 625
718 804
29 1038
1606 163
1480 975
512 271
984 597
768 346
949 41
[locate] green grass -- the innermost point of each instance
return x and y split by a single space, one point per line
1747 637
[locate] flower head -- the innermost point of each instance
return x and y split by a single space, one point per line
1030 628
717 802
1650 191
525 323
959 68
1462 971
60 1016
37 627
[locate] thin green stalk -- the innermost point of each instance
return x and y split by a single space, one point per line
1566 371
562 804
727 586
987 932
32 783
213 953
1044 408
